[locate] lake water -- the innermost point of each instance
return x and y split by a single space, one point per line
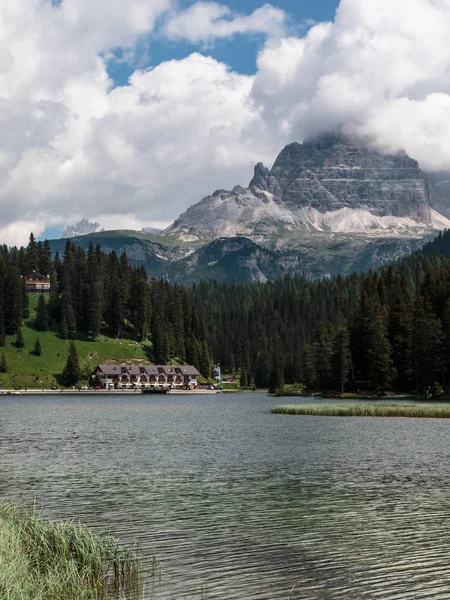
249 504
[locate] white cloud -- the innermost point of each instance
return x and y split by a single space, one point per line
380 71
72 146
205 21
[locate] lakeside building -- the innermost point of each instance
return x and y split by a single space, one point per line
145 376
36 283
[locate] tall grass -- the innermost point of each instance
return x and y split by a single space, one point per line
367 410
42 560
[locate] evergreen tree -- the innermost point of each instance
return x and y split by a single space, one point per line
323 356
44 258
3 363
54 300
69 317
63 329
205 360
2 328
31 255
71 372
262 370
342 359
41 322
243 380
309 370
25 302
427 347
276 380
19 343
37 347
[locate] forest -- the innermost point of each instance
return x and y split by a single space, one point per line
383 330
376 331
93 292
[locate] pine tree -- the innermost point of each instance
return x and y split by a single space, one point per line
2 327
69 317
427 345
3 363
37 347
41 322
205 360
54 301
323 356
276 379
44 258
262 370
71 372
25 301
309 371
243 380
31 255
19 343
342 359
63 329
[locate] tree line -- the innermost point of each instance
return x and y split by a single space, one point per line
386 329
95 292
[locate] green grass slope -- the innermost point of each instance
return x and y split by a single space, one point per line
25 370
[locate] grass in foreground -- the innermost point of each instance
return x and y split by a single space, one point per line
42 560
366 410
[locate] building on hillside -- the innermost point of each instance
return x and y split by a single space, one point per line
36 283
145 376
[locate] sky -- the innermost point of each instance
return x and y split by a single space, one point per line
127 113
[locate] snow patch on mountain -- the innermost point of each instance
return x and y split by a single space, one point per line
253 212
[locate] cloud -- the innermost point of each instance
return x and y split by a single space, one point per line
206 21
380 71
73 145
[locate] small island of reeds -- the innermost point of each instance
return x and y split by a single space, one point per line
429 411
60 560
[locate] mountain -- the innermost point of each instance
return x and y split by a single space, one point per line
326 185
82 227
327 206
152 230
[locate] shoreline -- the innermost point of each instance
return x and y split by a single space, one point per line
137 392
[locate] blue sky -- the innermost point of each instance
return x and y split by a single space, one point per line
239 52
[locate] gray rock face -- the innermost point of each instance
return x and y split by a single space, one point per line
329 174
83 227
328 185
439 188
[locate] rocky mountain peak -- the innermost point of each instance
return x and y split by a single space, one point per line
82 227
327 184
330 173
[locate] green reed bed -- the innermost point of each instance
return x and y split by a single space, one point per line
61 560
367 410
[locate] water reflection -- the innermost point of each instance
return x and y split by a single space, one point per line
255 505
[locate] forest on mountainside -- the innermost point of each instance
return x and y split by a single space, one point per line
382 330
93 293
387 329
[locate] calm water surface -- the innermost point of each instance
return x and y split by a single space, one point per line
254 505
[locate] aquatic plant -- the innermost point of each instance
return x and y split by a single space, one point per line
62 560
430 411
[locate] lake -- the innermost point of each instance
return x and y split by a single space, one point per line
235 500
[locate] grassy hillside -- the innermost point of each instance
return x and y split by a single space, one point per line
25 370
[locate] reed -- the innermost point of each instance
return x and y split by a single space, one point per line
428 411
62 560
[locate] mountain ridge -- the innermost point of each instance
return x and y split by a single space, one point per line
327 206
357 189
